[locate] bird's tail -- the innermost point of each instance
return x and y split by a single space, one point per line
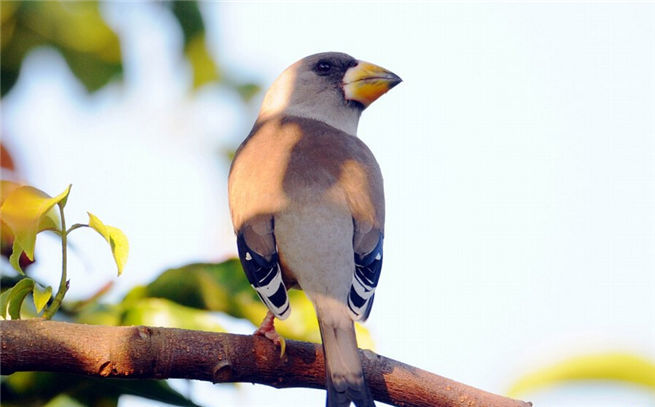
343 368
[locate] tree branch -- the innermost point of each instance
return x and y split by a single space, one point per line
161 353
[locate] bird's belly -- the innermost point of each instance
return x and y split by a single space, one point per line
315 246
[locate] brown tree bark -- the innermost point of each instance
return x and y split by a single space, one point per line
161 353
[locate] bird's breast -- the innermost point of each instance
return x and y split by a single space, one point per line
288 164
315 247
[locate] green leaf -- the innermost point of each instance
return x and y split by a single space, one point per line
17 296
50 220
247 91
204 285
614 366
23 212
189 17
116 239
100 314
94 72
63 400
4 301
203 66
14 259
165 313
41 296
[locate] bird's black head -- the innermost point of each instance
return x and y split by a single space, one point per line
332 65
330 68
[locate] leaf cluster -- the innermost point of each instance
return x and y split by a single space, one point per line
27 211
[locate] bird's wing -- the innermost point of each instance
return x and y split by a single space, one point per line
368 266
259 258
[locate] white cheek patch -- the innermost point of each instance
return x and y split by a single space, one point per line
278 97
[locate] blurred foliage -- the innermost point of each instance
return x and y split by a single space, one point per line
223 287
91 48
26 389
195 48
612 366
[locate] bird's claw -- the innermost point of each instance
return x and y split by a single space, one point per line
267 330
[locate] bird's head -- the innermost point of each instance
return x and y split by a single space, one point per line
331 87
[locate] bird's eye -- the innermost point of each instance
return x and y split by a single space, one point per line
323 67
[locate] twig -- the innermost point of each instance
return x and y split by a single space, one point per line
63 283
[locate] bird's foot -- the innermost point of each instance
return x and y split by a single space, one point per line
267 329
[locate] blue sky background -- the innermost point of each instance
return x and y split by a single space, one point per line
518 156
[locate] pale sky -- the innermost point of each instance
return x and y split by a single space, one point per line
518 157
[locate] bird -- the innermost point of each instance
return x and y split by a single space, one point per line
306 199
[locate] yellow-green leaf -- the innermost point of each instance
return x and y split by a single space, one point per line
100 314
364 338
17 296
116 239
247 91
41 296
616 366
164 313
4 301
50 220
25 212
14 259
303 325
6 186
63 400
203 66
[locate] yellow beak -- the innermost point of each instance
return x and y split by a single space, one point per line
365 82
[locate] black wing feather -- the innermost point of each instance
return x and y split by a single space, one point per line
265 276
368 268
